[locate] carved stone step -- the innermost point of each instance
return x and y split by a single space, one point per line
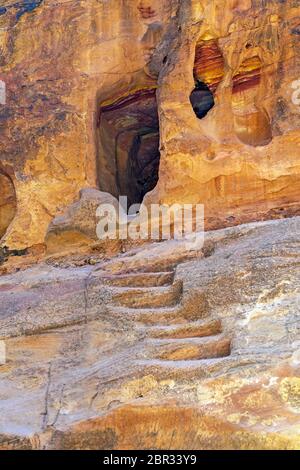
149 316
189 348
148 297
202 328
140 279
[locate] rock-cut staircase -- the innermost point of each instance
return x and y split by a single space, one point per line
153 301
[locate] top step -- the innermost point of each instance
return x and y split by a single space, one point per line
152 279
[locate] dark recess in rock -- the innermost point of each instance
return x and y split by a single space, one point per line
202 99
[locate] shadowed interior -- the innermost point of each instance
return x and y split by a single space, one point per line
128 145
251 121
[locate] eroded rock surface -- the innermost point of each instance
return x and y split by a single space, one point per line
187 351
60 61
185 101
81 79
242 159
8 203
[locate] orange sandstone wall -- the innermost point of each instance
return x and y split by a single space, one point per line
60 61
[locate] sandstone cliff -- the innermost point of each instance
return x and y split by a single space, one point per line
101 94
151 350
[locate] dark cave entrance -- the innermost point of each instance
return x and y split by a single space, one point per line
202 99
128 145
8 202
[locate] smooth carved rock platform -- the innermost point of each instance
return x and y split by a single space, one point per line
157 348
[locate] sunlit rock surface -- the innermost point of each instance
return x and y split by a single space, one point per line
155 350
129 345
8 202
242 159
73 71
60 62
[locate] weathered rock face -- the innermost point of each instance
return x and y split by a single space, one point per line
164 346
242 159
60 62
77 226
81 112
128 142
153 350
7 202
